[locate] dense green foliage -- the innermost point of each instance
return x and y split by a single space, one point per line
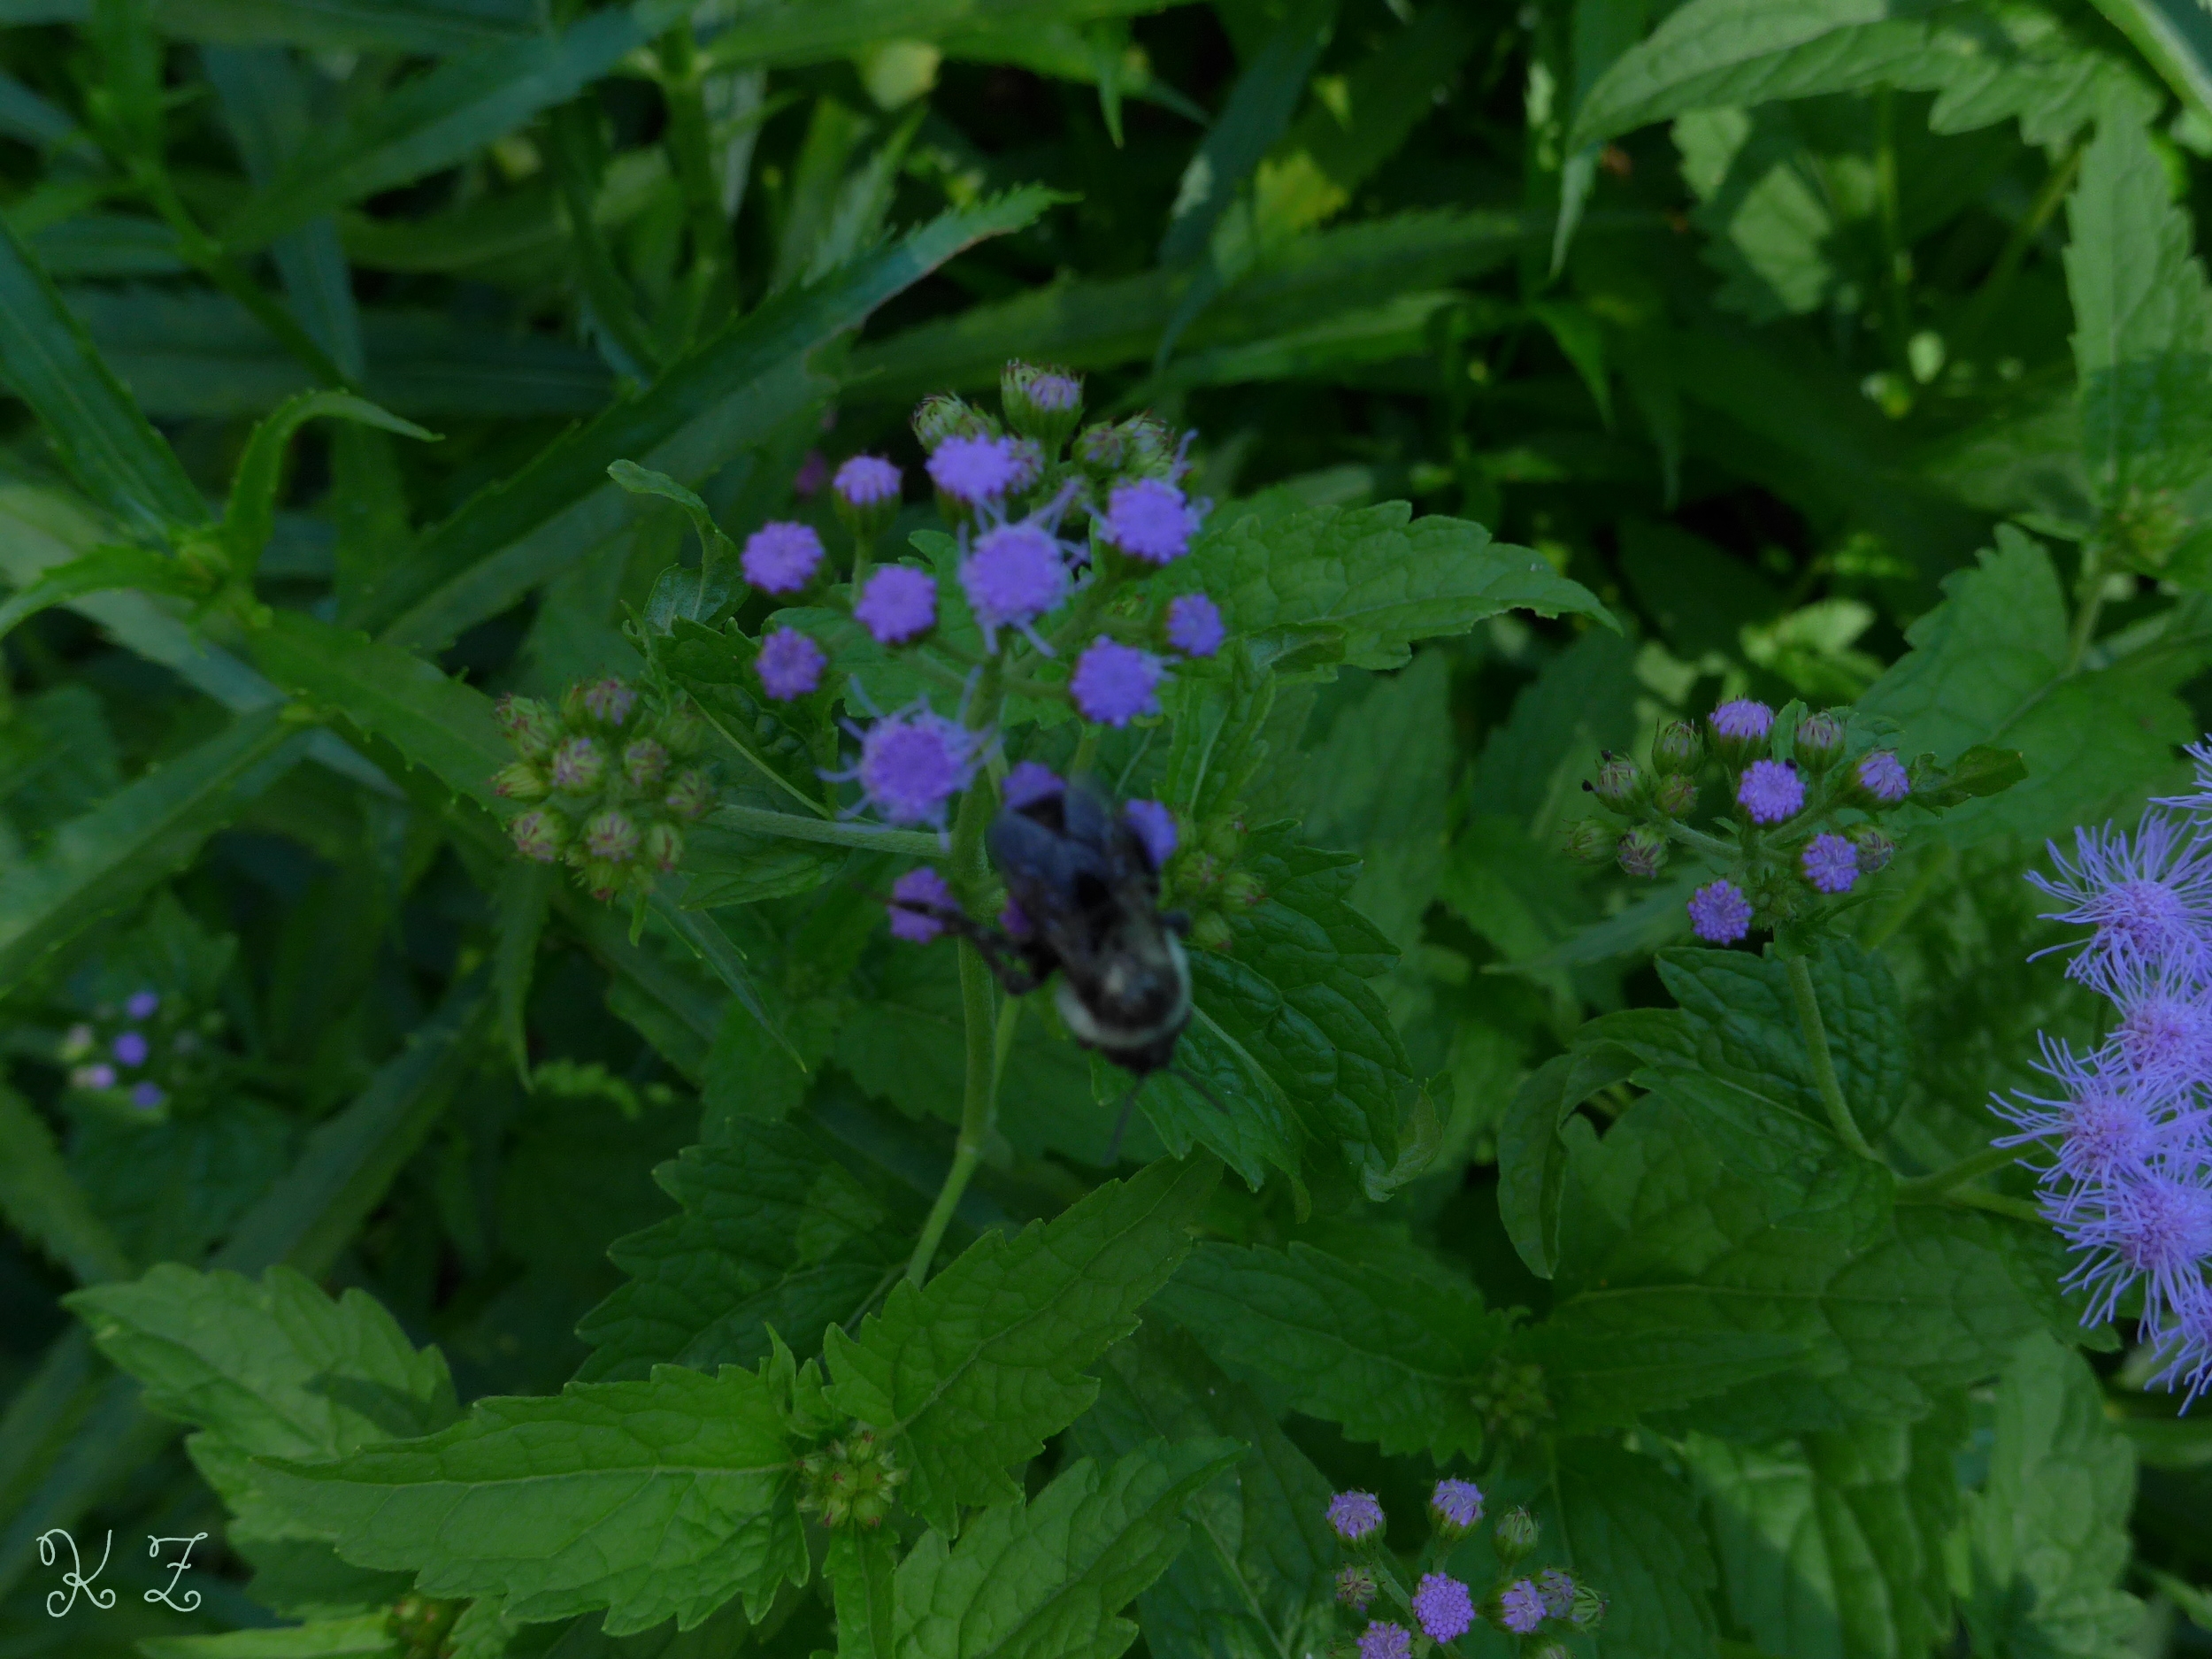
489 1270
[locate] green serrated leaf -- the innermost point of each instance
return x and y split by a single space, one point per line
1046 1579
44 1203
860 1566
1392 1346
973 1372
103 570
1621 1522
774 1234
251 514
653 1500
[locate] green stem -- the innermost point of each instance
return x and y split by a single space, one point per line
979 1111
1926 1188
760 821
2088 602
689 148
1896 257
1991 296
1996 1204
1839 1117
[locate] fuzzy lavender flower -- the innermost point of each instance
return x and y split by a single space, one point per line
974 471
2163 1035
1741 720
1882 776
131 1049
1558 1591
2148 897
1194 625
920 887
1147 518
2100 1126
1830 864
1154 826
1114 684
2182 1343
790 665
1770 791
912 762
1521 1608
898 604
867 480
1457 1504
1029 782
1443 1606
1354 1515
147 1096
1385 1640
781 558
1015 574
1356 1588
2153 1226
141 1004
1719 913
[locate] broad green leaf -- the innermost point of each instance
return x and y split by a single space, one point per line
1238 1114
1252 1584
1990 665
366 1636
2047 1538
1366 584
774 1234
973 1372
1046 1579
100 863
1618 1520
2176 39
435 721
860 1567
1832 1546
733 390
436 119
1714 1248
1391 1345
251 512
47 361
42 1202
653 1500
2142 355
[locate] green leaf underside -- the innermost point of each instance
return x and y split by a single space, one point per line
973 1372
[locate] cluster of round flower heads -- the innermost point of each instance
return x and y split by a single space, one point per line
2123 1145
138 1056
607 781
1440 1609
1804 824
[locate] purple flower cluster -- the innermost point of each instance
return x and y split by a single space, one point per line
2124 1138
129 1050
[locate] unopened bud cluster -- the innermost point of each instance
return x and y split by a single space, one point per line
607 782
1801 820
1536 1608
852 1481
422 1626
1207 881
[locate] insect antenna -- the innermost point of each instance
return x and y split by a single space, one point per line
1121 1123
1193 1079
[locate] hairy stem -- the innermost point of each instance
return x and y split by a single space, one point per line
1839 1117
1941 1184
979 1111
1996 1204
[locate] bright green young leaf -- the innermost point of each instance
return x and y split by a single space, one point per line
250 515
1394 1348
1832 1546
1368 583
47 361
653 1500
1252 1584
1046 1579
2047 1538
973 1372
733 390
774 1234
99 863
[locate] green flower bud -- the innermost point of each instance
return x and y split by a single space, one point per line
1514 1536
529 725
610 837
682 729
1588 1611
1642 851
1045 405
519 781
1588 841
662 847
606 701
941 416
1356 1588
1240 886
1674 794
1679 748
1875 849
644 763
691 798
541 836
850 1482
1212 932
1620 783
1819 742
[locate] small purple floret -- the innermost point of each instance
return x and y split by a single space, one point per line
1770 791
1558 1591
867 480
781 558
1193 625
922 886
1147 518
898 604
1719 913
1114 684
2149 897
790 665
1522 1607
1154 826
131 1049
1354 1515
1015 574
1029 782
147 1096
1744 719
1385 1640
1831 864
974 471
141 1005
1446 1611
100 1076
913 763
1458 1501
1882 775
